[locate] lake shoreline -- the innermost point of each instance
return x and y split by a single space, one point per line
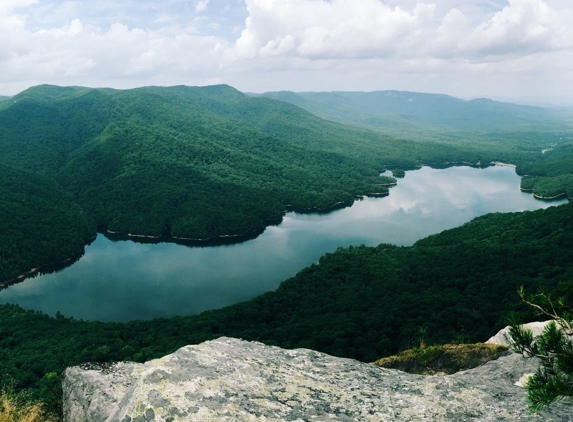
41 269
550 198
165 280
230 239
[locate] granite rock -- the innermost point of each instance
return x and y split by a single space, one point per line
234 380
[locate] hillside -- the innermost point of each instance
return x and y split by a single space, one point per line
181 157
197 163
39 224
383 109
540 139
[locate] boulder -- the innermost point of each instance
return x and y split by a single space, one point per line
234 380
503 337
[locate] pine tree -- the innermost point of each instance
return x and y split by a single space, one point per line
553 379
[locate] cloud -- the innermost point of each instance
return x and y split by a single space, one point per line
77 50
201 5
318 29
7 6
289 44
522 27
346 29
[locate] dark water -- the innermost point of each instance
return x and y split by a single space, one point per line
123 280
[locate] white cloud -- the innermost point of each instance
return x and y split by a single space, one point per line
201 5
320 29
455 27
75 50
7 6
461 47
346 29
522 27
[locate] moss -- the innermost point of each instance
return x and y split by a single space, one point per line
442 360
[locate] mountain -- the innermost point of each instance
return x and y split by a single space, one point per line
382 109
199 162
183 161
540 138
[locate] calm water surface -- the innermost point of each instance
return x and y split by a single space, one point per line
123 280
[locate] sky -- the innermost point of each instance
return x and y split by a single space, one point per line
519 50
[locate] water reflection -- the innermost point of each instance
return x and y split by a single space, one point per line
124 280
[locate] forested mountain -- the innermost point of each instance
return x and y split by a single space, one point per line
545 134
360 302
552 174
197 162
175 161
380 109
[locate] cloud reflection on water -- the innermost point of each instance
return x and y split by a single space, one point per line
119 281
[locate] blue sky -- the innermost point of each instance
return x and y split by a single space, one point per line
514 49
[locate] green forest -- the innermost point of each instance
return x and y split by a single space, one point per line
199 163
39 223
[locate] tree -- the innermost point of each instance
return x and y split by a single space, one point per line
553 379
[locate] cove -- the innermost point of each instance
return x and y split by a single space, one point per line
126 280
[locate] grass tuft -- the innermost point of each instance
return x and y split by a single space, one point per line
18 407
442 360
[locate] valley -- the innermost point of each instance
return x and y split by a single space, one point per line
141 278
212 162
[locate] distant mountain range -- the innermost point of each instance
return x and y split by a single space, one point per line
383 109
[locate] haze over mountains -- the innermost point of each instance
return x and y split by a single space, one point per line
381 109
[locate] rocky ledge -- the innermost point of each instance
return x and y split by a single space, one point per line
235 380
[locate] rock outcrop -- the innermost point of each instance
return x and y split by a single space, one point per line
234 380
503 337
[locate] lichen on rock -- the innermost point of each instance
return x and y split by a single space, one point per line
234 380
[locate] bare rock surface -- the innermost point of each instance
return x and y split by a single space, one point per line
503 337
234 380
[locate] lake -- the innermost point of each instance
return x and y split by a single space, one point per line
125 280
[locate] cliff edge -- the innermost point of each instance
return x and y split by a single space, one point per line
234 380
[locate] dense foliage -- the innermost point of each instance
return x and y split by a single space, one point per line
39 223
552 174
553 379
188 162
360 302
